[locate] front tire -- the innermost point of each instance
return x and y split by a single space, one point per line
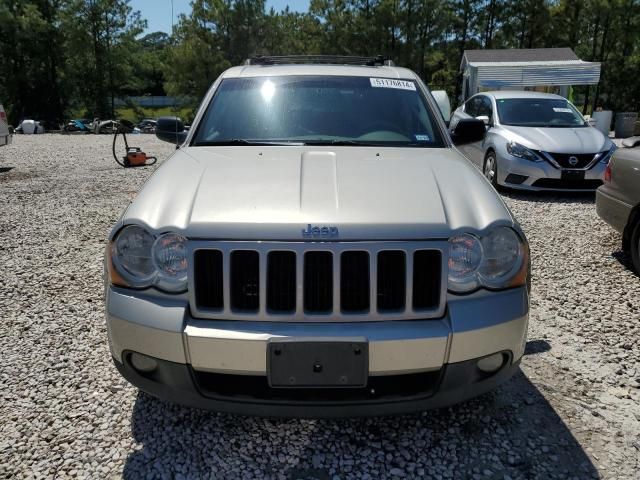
635 247
490 168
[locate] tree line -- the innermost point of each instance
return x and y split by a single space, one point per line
64 56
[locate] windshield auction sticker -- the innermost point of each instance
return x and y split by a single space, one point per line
393 83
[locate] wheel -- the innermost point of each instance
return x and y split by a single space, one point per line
635 247
490 168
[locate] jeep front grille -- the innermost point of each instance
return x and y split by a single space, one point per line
316 281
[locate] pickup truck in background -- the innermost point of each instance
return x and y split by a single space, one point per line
5 135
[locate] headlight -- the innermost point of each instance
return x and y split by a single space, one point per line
502 250
521 151
496 260
138 259
465 257
606 156
131 256
170 259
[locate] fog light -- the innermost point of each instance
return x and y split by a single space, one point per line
142 363
491 363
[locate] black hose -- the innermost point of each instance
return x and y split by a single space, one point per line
113 148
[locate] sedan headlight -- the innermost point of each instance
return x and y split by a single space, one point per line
606 155
496 260
521 151
138 259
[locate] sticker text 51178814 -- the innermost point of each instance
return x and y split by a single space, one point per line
393 83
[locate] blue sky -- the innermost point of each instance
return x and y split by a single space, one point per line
158 12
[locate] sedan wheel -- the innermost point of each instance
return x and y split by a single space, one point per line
491 168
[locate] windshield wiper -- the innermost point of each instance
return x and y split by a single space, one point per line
240 141
344 142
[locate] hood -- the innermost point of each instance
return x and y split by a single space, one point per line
559 140
274 193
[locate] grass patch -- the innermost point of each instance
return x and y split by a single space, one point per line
137 114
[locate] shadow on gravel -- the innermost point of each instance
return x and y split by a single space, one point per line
546 197
624 259
510 433
536 346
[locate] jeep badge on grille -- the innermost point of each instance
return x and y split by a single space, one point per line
315 231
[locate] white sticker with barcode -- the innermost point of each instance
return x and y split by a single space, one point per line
393 83
562 110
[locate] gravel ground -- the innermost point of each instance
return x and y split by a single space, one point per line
573 412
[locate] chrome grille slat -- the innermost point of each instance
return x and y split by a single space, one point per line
373 283
334 312
262 282
337 297
226 292
299 283
408 282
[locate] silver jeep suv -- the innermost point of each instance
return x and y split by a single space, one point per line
317 247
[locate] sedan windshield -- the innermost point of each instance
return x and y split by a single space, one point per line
312 110
538 112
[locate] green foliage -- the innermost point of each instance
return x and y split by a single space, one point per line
63 56
138 113
102 47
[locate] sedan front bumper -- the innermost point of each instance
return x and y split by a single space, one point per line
542 176
222 365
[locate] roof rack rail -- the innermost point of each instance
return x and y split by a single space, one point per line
378 60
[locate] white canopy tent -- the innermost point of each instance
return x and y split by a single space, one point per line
525 68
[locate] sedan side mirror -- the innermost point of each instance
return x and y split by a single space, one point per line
468 130
171 129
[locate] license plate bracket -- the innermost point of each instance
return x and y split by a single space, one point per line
572 175
317 364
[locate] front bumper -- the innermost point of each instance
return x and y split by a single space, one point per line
222 365
542 176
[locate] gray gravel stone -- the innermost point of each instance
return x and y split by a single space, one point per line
65 412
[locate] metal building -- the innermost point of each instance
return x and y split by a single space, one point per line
543 69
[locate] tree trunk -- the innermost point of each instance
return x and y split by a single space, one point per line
490 25
594 45
605 32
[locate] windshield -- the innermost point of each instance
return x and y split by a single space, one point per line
313 110
538 112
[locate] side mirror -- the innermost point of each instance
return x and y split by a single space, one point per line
484 119
442 100
170 129
468 130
